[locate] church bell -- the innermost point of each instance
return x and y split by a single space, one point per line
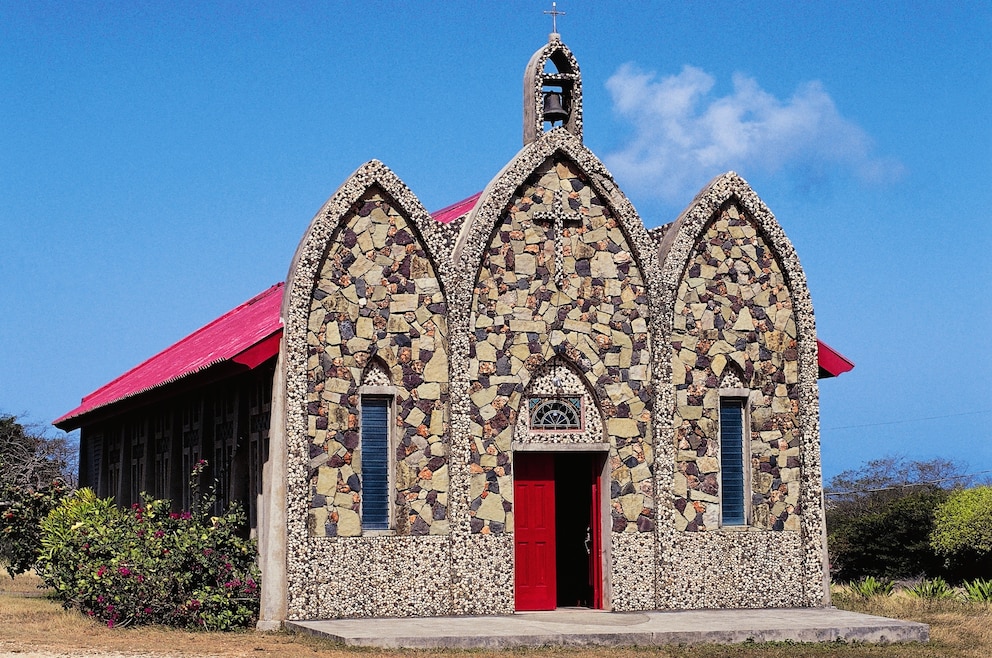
553 110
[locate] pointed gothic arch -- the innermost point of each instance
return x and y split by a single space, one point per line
681 238
326 223
559 379
478 228
725 247
376 373
364 265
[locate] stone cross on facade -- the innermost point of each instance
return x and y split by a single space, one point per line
558 217
554 13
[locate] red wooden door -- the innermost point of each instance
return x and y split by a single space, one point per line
595 537
534 531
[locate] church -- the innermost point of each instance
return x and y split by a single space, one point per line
524 401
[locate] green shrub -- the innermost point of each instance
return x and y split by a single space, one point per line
149 564
933 588
962 532
978 590
870 586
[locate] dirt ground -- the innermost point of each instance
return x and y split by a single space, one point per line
32 626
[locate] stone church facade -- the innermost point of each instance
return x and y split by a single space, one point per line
525 401
545 340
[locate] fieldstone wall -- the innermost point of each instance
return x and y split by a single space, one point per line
548 289
728 264
364 304
734 329
377 298
578 294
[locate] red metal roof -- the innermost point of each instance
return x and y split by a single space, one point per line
456 210
831 362
248 335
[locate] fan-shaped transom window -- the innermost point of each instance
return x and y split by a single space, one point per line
556 414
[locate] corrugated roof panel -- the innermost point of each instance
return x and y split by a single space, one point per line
224 339
456 210
831 362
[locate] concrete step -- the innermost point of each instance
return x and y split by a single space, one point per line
583 627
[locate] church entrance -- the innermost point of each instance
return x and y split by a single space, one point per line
557 530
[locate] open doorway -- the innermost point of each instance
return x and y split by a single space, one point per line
557 527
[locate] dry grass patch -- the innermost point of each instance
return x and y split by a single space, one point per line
31 623
960 628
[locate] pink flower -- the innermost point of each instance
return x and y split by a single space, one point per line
102 570
110 623
124 571
159 534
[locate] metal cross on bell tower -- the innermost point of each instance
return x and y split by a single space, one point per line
554 13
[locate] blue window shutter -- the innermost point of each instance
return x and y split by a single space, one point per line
732 460
375 463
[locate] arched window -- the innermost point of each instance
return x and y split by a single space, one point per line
556 414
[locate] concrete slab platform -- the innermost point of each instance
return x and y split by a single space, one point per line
583 627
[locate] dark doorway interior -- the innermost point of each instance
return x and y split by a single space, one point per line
577 538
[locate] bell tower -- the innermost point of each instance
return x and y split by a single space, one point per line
552 91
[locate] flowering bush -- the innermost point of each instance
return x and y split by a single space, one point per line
149 564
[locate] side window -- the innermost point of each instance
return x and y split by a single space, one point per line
376 413
732 461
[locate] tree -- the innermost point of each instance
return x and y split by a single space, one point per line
962 532
880 517
36 471
32 459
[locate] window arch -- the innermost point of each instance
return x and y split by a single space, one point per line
377 418
556 414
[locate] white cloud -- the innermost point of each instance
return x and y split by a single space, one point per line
683 135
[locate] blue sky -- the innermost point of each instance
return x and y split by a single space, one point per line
160 161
